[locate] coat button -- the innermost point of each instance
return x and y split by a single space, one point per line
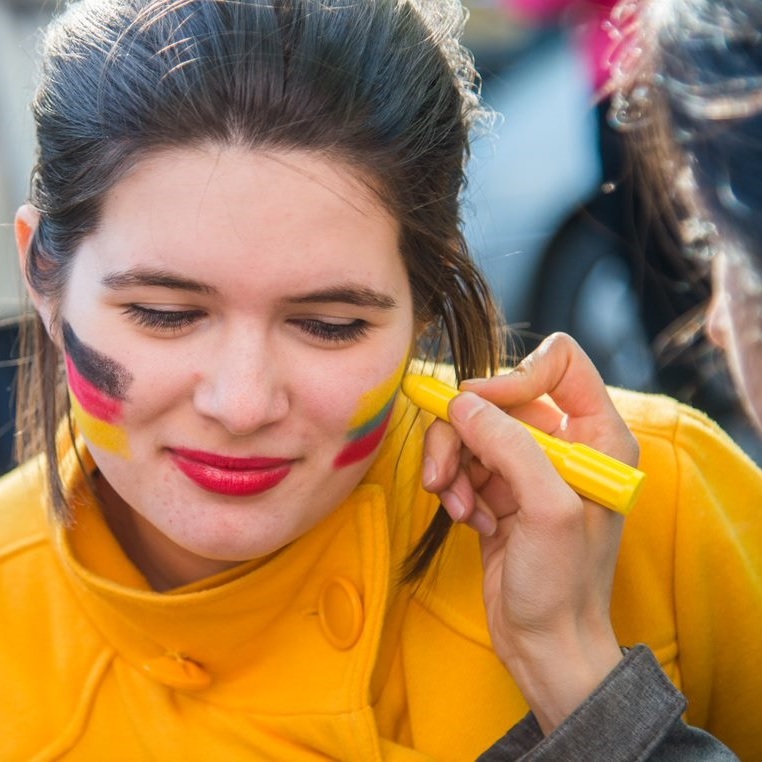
340 612
178 672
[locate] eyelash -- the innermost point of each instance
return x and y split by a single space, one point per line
334 332
163 320
177 320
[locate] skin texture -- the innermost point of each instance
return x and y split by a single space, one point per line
255 300
549 622
734 323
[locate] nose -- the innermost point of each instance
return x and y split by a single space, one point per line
717 326
242 386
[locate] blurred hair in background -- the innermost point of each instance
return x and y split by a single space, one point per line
568 230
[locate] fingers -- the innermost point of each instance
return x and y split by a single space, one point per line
548 554
506 450
443 456
451 472
559 368
577 406
485 466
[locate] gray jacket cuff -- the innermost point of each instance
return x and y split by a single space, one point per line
634 714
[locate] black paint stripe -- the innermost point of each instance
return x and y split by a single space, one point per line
101 371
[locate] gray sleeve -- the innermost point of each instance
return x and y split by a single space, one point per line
634 714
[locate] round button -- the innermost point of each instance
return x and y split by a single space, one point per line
178 672
340 612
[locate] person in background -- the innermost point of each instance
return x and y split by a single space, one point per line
687 95
243 230
691 104
616 230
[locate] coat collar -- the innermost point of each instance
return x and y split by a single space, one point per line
323 598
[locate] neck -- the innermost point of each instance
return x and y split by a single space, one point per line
162 562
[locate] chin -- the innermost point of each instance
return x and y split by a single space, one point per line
749 392
232 552
235 540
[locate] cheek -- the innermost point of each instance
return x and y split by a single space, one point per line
744 349
98 391
161 394
743 332
370 420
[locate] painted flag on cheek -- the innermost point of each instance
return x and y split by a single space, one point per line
369 423
98 389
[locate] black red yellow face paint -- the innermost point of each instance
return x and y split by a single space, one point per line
98 387
369 423
98 390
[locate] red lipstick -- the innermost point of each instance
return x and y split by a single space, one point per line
225 475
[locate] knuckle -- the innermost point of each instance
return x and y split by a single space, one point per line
569 512
521 368
561 340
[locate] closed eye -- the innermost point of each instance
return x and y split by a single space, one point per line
171 321
333 332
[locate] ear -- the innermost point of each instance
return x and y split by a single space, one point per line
25 226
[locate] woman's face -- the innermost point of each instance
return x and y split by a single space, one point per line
734 323
235 331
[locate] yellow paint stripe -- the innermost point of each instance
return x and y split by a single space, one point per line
373 401
100 433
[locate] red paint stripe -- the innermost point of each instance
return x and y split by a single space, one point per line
92 399
358 449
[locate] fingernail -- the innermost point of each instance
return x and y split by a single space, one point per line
454 505
429 471
484 523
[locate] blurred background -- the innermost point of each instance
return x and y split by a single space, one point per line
19 22
552 212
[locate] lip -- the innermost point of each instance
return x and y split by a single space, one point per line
226 475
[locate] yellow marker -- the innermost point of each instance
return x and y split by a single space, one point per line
590 473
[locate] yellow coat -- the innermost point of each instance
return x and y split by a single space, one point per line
319 654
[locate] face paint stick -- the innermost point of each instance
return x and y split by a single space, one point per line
590 473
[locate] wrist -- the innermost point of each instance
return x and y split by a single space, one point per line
556 674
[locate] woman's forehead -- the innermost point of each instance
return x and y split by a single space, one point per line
199 215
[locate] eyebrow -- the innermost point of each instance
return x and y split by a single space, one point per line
359 296
140 276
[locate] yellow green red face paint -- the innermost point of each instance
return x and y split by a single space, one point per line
98 389
368 425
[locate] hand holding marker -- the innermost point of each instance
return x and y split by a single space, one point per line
590 473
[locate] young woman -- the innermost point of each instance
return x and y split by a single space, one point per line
242 228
